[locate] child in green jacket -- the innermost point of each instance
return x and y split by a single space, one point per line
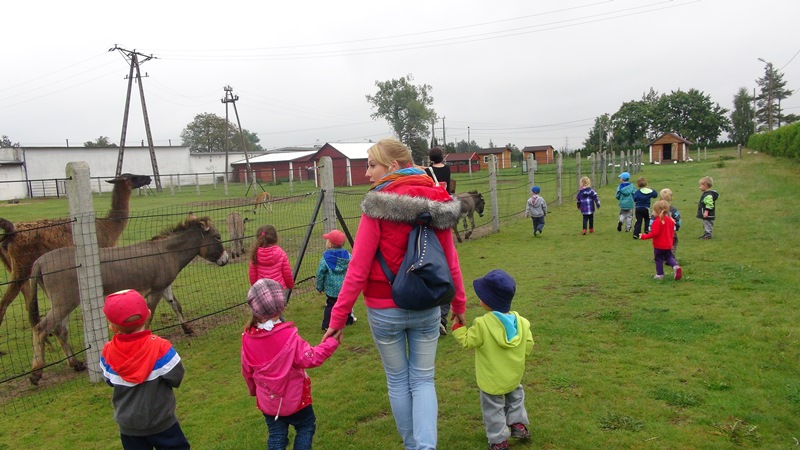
501 339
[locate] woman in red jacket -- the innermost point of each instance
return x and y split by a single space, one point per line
406 339
662 232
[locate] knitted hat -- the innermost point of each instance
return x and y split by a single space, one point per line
536 189
266 298
336 237
121 308
625 176
496 290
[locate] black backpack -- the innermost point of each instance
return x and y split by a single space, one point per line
423 280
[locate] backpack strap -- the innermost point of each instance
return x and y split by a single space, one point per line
386 271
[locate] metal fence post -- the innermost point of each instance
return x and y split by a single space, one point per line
87 260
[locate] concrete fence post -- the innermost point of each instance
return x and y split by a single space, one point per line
87 261
325 171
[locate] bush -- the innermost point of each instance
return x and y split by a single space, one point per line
785 141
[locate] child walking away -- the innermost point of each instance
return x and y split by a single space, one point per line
536 209
588 202
641 199
330 273
707 207
274 359
501 339
268 260
666 195
143 369
662 234
624 194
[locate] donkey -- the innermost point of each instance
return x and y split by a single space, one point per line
23 242
471 202
235 224
149 267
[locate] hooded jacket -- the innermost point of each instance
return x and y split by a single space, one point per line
624 194
331 271
708 202
501 343
587 200
273 264
387 217
273 366
143 369
662 232
642 197
536 206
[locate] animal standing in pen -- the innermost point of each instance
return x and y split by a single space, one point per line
149 267
24 242
471 202
235 224
263 199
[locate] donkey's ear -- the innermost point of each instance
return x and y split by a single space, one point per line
191 216
205 225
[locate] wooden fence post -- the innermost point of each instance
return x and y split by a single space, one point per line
531 181
493 193
559 170
325 170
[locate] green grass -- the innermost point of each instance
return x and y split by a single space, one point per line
621 360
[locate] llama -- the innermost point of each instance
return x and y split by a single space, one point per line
263 199
24 242
235 224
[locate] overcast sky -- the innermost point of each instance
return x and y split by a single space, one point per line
519 72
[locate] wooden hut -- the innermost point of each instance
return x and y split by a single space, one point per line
668 148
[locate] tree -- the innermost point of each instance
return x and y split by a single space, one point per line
102 141
599 134
742 117
206 133
5 142
463 147
768 100
690 114
405 106
631 125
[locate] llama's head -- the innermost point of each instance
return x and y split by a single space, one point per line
134 181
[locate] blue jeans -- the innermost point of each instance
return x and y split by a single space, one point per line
171 438
407 342
304 422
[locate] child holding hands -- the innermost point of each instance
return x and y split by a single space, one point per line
274 359
501 339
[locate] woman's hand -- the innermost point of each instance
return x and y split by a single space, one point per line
336 334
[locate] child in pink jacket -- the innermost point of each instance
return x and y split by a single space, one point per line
274 359
268 260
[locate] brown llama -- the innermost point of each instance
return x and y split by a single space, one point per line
262 199
24 242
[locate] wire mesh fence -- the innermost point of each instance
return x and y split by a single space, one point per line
205 294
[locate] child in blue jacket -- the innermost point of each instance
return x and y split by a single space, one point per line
641 199
624 194
330 273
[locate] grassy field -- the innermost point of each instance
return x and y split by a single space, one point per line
621 360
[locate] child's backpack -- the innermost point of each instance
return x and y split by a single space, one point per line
423 280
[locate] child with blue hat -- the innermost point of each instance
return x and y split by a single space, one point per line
624 194
536 209
501 339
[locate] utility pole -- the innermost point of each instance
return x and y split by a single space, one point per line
469 142
132 56
444 135
433 133
230 98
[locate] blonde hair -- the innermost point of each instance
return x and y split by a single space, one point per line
660 208
666 194
388 150
708 181
586 182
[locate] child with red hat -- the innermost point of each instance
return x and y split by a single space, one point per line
143 369
330 273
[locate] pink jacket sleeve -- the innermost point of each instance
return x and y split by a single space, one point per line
287 271
459 303
364 249
307 356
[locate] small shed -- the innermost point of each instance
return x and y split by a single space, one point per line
542 154
463 162
503 157
669 147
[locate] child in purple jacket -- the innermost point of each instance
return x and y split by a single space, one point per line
588 203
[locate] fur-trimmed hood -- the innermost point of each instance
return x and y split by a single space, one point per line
398 207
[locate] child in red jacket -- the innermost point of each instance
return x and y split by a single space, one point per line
663 232
268 260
